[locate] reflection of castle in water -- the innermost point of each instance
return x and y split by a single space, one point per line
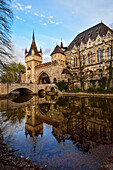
87 122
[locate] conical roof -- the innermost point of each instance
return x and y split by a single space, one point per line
57 50
33 47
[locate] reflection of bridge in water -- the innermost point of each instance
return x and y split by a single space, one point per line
6 104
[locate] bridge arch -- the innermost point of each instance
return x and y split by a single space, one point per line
41 93
43 78
21 90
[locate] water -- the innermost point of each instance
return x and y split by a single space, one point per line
61 133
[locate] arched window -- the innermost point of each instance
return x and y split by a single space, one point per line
97 56
108 53
83 60
91 58
88 59
55 80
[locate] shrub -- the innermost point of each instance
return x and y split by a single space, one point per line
62 85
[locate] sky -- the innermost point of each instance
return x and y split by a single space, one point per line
53 21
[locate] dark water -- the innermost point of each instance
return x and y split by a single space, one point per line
60 133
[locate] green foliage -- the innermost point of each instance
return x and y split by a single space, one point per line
10 73
76 90
62 85
99 90
102 82
93 82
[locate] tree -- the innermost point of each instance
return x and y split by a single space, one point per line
10 73
6 17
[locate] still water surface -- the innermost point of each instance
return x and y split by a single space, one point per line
61 133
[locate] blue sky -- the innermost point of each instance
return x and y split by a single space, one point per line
53 20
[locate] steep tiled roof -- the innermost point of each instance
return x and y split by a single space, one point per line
33 47
92 32
57 50
43 65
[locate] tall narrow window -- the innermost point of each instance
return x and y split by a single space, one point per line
83 60
108 53
91 58
88 59
97 56
101 55
76 61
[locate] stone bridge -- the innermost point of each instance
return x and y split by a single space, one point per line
7 88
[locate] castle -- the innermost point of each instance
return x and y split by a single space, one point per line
87 59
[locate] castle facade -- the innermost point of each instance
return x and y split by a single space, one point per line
87 59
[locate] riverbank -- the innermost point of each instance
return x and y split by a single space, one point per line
108 164
10 162
83 94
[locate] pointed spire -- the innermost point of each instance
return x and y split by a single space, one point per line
25 50
40 49
33 36
61 44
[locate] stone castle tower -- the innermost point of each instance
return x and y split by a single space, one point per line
33 57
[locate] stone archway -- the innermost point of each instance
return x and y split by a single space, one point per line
43 78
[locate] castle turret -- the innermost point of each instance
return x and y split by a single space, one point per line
58 56
33 57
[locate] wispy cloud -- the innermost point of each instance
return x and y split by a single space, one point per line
47 51
28 7
36 14
19 6
58 23
46 58
42 16
19 18
52 22
44 24
50 17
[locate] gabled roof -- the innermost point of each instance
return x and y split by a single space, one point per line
92 32
57 50
66 71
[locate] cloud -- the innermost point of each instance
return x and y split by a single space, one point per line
50 17
58 23
42 16
19 18
28 7
52 22
47 51
36 14
46 58
18 6
19 55
44 24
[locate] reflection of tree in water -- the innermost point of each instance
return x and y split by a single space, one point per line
45 107
16 115
63 101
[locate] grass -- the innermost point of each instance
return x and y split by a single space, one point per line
98 90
